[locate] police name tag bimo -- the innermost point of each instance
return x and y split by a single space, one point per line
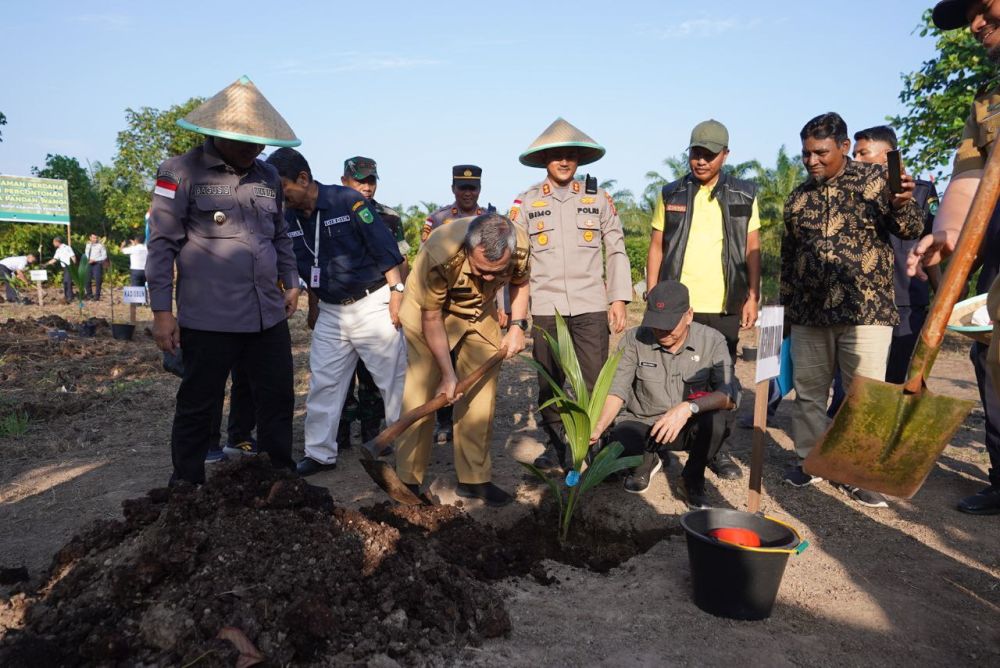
314 278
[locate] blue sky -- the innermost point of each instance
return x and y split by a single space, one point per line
422 86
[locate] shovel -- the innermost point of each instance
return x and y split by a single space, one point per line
887 437
382 472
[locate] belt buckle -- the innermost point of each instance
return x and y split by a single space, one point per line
348 301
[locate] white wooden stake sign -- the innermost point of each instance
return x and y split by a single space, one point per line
769 335
133 296
39 276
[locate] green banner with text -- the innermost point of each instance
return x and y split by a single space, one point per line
25 199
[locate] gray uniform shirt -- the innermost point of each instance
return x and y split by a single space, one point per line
651 380
568 228
229 239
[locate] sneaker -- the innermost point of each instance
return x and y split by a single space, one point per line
642 475
983 502
241 448
694 494
486 491
865 497
215 456
796 477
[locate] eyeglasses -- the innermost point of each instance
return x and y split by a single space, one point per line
467 187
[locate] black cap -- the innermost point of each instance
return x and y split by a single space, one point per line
360 168
466 175
951 14
666 304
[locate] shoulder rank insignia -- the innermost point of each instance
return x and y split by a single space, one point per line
454 211
357 205
576 187
546 189
425 231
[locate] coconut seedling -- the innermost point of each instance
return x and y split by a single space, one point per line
579 410
80 273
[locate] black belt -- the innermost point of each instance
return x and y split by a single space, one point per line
361 293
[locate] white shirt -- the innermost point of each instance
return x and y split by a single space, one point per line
64 254
15 263
137 256
96 252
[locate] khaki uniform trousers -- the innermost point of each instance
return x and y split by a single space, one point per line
473 412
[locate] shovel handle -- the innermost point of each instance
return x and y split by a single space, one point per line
953 285
391 433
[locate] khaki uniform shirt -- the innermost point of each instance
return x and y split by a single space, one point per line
443 216
567 228
441 280
651 380
229 239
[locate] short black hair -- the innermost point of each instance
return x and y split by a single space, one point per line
881 133
289 163
826 126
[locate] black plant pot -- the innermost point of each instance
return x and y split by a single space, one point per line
122 331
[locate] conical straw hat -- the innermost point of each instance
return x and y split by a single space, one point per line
241 113
562 133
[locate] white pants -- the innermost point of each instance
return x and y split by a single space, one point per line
344 333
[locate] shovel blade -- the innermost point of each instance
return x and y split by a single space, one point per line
385 477
886 440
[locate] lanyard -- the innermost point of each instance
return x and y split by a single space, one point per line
315 253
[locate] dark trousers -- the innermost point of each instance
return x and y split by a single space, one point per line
95 278
5 276
208 359
904 340
991 408
590 341
242 416
137 277
727 325
701 437
68 283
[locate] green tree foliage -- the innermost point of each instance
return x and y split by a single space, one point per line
150 137
938 97
413 222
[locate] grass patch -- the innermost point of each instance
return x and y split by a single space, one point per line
14 424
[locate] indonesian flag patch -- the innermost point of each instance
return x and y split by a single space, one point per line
166 185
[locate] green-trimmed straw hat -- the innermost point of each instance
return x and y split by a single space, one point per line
558 135
241 113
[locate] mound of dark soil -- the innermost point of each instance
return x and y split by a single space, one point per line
268 562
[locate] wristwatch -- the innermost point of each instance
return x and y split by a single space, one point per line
396 288
523 324
693 407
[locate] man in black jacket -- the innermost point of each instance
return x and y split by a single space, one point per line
706 235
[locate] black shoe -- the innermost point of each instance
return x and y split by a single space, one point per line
369 430
413 487
443 433
308 466
344 435
486 491
796 477
642 475
694 494
553 459
864 496
984 502
724 467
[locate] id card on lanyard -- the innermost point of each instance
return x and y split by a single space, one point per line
314 272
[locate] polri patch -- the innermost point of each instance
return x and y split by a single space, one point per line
264 191
209 189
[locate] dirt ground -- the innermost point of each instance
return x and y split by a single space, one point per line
917 583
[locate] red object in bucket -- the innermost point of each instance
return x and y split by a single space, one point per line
736 536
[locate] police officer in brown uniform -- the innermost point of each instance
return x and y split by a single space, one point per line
217 214
449 312
569 223
466 185
978 140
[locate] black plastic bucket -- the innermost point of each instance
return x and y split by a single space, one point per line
122 331
731 580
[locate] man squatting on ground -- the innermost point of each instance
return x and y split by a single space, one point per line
350 261
978 141
449 307
217 215
14 266
675 381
